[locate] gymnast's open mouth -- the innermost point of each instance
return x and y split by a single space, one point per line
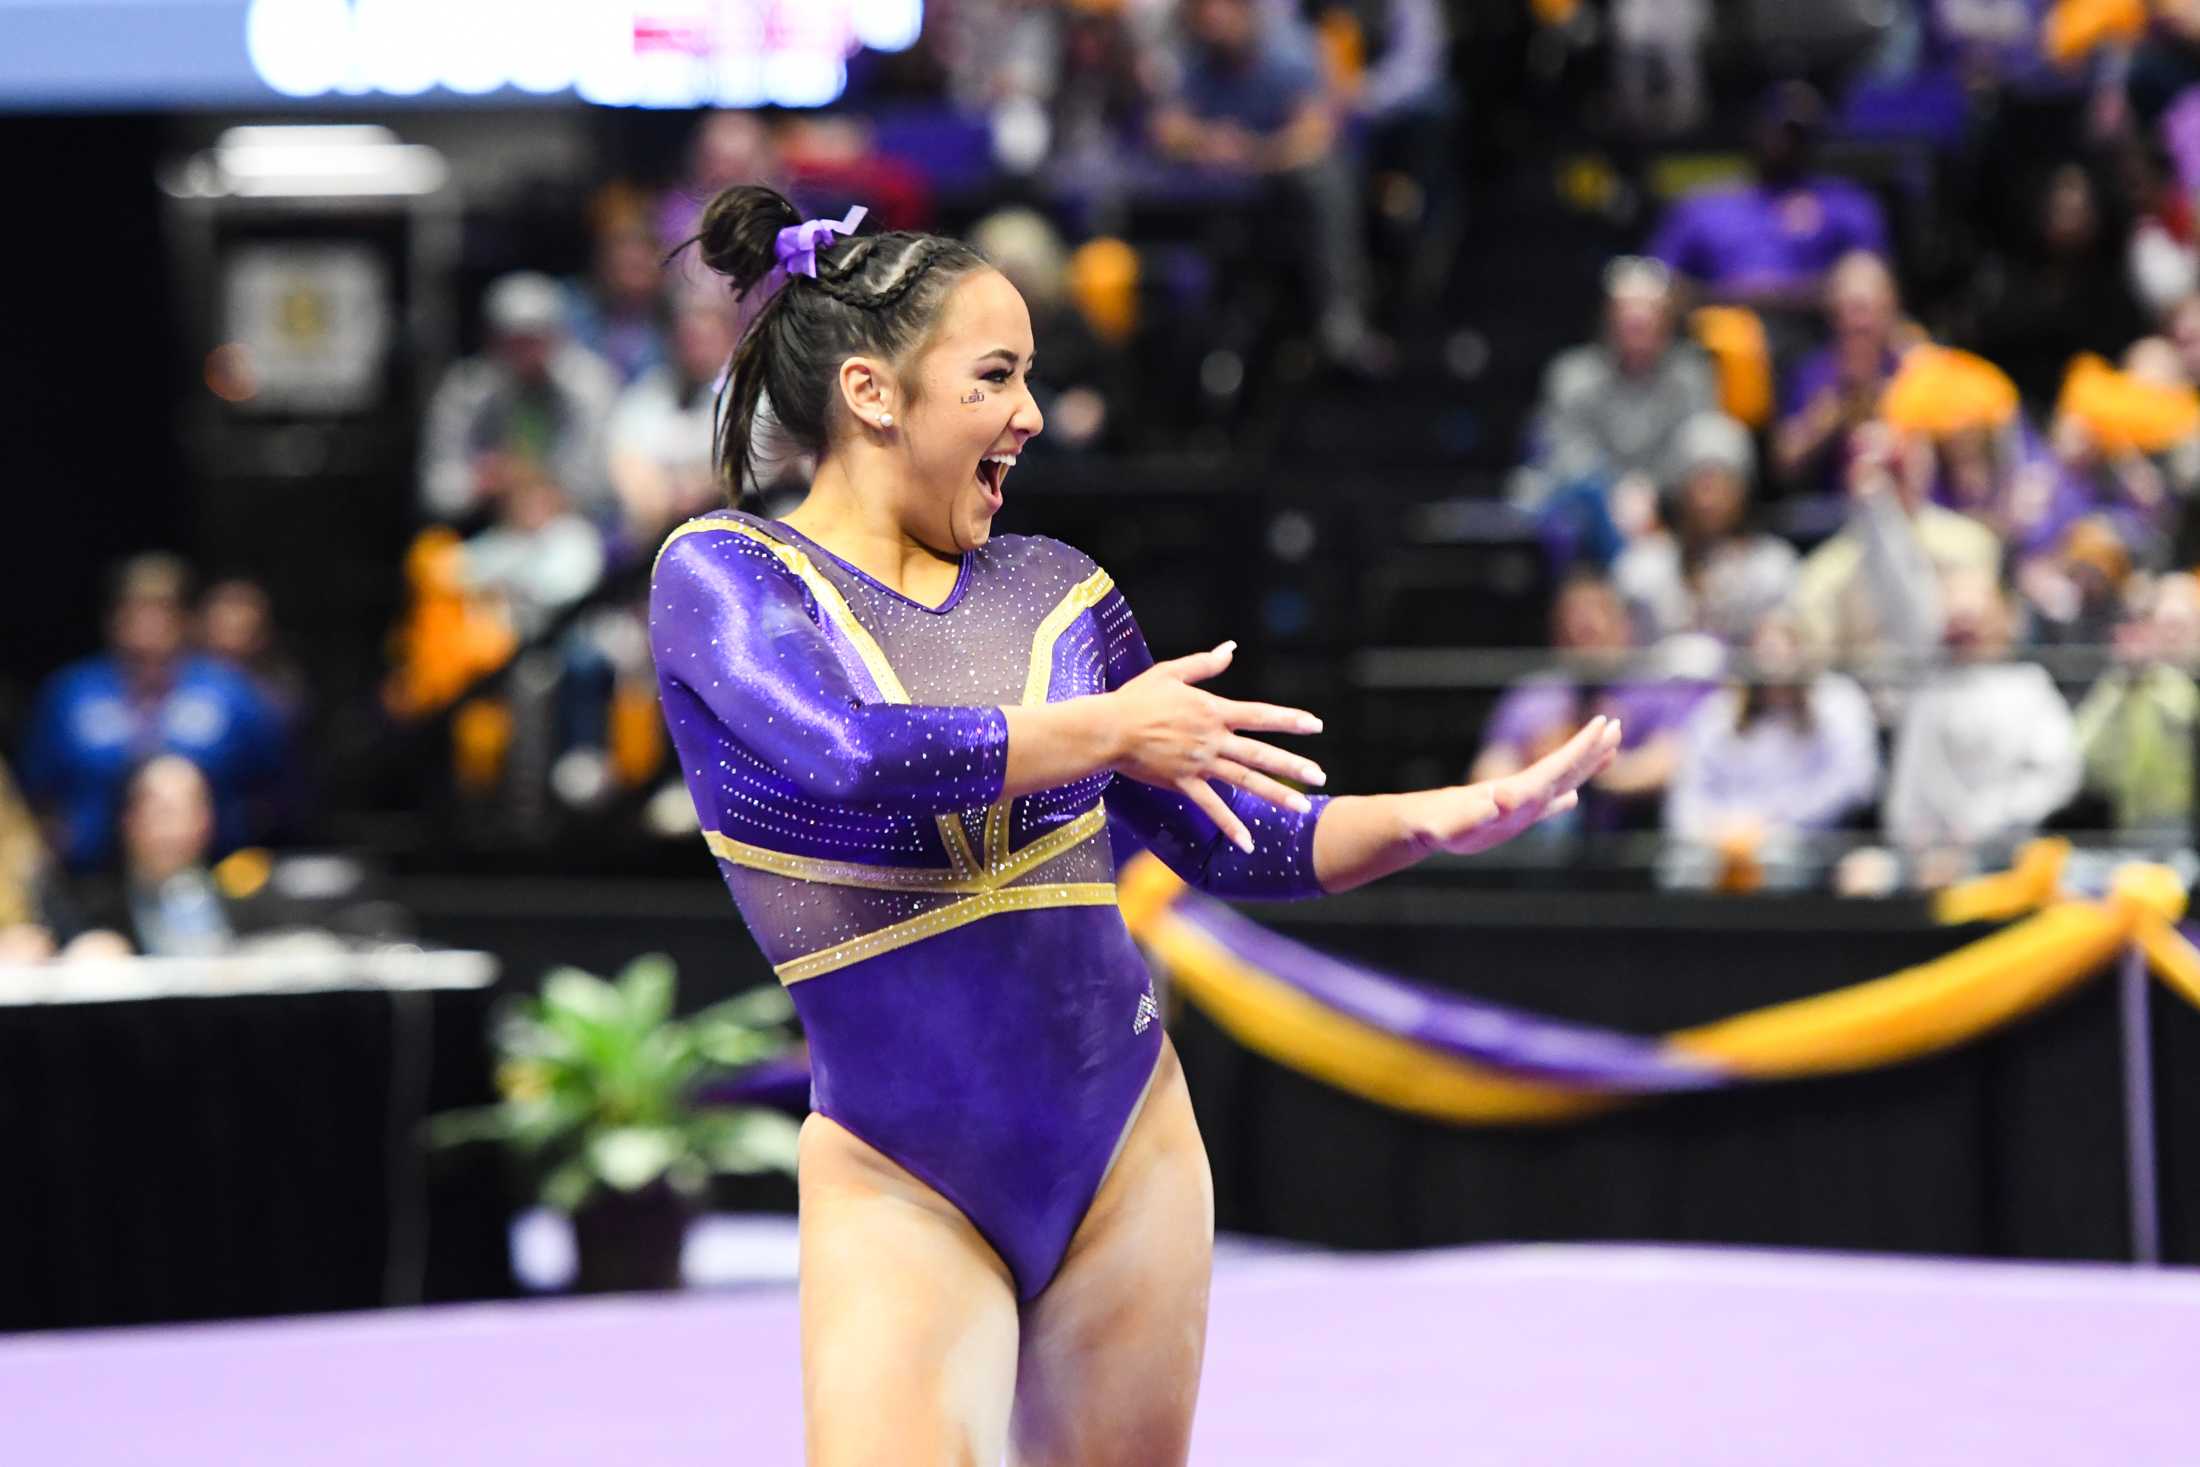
993 473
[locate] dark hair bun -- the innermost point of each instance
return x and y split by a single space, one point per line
740 232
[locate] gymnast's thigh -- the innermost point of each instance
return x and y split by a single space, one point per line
908 1317
1108 1370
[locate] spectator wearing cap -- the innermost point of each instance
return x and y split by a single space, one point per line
148 694
1986 749
533 395
1607 427
1769 243
1701 569
1835 389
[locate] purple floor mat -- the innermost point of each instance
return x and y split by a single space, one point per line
1505 1355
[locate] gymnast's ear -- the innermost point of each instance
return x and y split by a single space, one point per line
870 392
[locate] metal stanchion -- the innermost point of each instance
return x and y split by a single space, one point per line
2140 1159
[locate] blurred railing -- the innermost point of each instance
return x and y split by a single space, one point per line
1420 713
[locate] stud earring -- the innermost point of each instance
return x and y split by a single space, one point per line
886 420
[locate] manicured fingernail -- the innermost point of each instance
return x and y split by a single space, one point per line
1245 843
1226 648
1301 803
1315 774
1310 724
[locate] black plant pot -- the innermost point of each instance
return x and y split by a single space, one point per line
630 1241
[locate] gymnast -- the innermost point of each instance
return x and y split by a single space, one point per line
904 736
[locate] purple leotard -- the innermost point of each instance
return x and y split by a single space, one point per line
974 1007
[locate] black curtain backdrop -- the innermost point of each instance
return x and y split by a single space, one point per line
204 1158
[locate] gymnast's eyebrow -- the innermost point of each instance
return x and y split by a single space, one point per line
1007 355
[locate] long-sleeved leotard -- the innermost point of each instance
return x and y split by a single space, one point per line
974 1007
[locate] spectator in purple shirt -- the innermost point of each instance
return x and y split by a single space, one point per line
1769 243
1589 630
1835 390
2008 481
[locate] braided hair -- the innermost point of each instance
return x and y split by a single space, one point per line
873 295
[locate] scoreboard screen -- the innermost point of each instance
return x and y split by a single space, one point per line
117 54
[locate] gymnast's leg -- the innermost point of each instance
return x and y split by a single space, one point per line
908 1316
1108 1371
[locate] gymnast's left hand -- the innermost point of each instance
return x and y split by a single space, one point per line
1468 818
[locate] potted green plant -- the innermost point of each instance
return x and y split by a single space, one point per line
600 1087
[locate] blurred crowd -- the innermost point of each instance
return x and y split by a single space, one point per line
1820 538
1831 500
142 766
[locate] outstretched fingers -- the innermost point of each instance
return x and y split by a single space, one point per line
1268 717
1197 667
1574 763
1282 763
1217 809
1259 785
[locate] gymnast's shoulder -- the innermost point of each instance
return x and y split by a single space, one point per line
1039 556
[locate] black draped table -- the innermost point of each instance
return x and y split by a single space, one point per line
241 1136
2015 1146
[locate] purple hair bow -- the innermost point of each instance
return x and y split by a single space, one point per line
798 244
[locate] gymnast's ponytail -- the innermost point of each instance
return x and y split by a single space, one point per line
873 295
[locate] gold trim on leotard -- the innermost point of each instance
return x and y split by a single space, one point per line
931 924
1038 677
910 878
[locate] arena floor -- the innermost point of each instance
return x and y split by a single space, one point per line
1544 1355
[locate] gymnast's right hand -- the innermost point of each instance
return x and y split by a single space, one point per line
1178 737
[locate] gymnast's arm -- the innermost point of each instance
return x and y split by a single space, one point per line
731 627
1364 838
1328 844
